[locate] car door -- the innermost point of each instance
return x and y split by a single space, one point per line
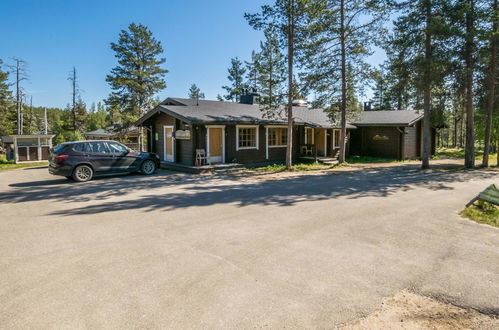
99 156
124 160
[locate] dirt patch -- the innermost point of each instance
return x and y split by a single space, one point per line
407 310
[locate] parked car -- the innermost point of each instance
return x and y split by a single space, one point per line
83 160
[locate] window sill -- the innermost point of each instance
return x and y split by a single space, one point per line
280 146
247 148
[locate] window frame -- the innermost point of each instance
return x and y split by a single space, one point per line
285 128
312 135
257 134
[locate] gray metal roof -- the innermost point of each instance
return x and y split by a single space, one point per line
388 118
100 132
110 131
203 111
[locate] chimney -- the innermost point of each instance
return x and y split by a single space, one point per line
367 106
248 97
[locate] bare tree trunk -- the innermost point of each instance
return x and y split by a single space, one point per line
73 81
18 102
469 150
425 155
343 122
454 137
289 148
491 96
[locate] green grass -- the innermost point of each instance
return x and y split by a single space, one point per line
368 160
6 165
299 167
458 153
482 212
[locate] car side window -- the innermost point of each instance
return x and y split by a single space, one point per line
116 148
79 147
97 148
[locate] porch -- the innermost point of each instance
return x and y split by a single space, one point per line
218 168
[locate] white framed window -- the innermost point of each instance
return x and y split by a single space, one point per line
246 137
309 135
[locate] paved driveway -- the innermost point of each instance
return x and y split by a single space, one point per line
183 251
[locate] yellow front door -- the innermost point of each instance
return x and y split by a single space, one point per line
216 145
321 142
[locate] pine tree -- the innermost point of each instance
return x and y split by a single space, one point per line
195 93
419 43
380 96
236 78
287 16
7 108
340 35
491 78
253 70
139 75
272 74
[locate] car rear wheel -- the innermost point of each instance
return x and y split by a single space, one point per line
148 167
83 173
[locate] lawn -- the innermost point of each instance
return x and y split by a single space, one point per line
299 167
6 165
482 212
458 153
367 160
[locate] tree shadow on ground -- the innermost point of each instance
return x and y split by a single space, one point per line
183 191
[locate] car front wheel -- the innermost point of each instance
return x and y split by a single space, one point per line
83 173
148 167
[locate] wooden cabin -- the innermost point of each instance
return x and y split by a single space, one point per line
194 132
185 130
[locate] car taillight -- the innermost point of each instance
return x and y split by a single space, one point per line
61 158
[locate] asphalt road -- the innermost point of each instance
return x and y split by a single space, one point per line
186 251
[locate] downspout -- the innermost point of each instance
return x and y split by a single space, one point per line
402 143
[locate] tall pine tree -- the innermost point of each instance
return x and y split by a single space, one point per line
287 16
195 92
236 78
340 35
272 74
7 107
138 75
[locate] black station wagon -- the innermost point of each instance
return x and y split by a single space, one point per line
83 160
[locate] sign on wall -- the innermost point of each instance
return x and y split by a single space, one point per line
183 134
378 137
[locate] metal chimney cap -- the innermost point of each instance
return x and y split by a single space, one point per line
300 103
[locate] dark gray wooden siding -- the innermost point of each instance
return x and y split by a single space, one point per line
387 147
410 143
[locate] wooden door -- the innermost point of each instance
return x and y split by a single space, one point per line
216 144
321 142
336 139
169 144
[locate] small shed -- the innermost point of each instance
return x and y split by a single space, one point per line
129 136
28 148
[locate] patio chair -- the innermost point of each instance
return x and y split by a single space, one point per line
307 150
201 158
